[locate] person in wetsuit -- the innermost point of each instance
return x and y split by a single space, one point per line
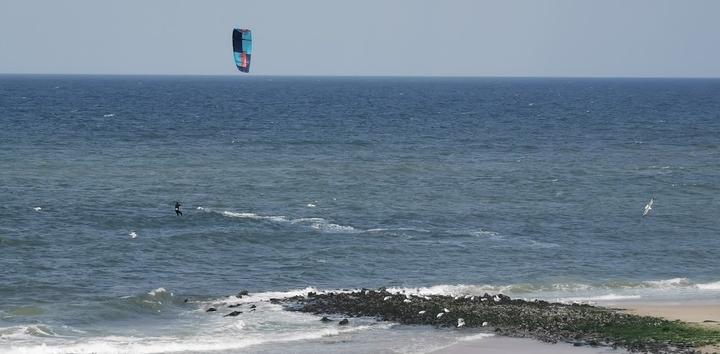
177 209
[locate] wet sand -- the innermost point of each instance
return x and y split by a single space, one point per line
506 345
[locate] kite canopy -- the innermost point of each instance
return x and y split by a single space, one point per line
242 48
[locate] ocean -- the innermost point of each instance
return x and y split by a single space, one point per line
532 187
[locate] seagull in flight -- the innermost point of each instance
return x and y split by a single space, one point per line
648 207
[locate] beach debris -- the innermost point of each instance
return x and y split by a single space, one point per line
386 298
446 310
648 207
461 322
422 312
484 324
497 298
233 314
440 315
344 322
407 301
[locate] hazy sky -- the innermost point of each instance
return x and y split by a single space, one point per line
368 37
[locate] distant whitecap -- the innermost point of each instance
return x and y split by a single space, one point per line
37 208
133 234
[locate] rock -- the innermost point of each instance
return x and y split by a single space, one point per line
243 293
233 314
186 300
212 309
325 319
344 322
235 305
253 306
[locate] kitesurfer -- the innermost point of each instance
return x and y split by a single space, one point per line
177 208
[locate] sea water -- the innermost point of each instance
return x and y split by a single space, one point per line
530 187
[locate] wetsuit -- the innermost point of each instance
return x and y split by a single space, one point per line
177 208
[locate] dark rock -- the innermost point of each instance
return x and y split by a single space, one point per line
325 319
233 314
235 305
253 306
344 322
212 309
243 292
186 300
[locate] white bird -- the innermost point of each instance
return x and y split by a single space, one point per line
133 234
407 301
421 312
440 315
461 322
386 298
648 207
446 310
484 324
37 208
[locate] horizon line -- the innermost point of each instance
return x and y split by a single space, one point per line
363 76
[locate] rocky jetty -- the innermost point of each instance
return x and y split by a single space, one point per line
550 322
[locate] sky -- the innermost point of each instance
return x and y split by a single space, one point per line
566 38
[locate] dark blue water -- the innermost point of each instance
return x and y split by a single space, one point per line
351 182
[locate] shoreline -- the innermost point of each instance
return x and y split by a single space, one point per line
705 313
533 325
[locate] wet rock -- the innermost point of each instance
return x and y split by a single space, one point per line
252 306
235 305
233 314
325 319
212 309
549 322
243 293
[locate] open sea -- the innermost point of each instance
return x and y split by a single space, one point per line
530 187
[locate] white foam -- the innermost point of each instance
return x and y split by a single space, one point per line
589 299
109 115
669 283
477 336
158 291
709 286
319 224
37 208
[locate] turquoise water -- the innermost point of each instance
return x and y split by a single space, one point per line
532 187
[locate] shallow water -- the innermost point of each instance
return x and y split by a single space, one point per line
532 187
